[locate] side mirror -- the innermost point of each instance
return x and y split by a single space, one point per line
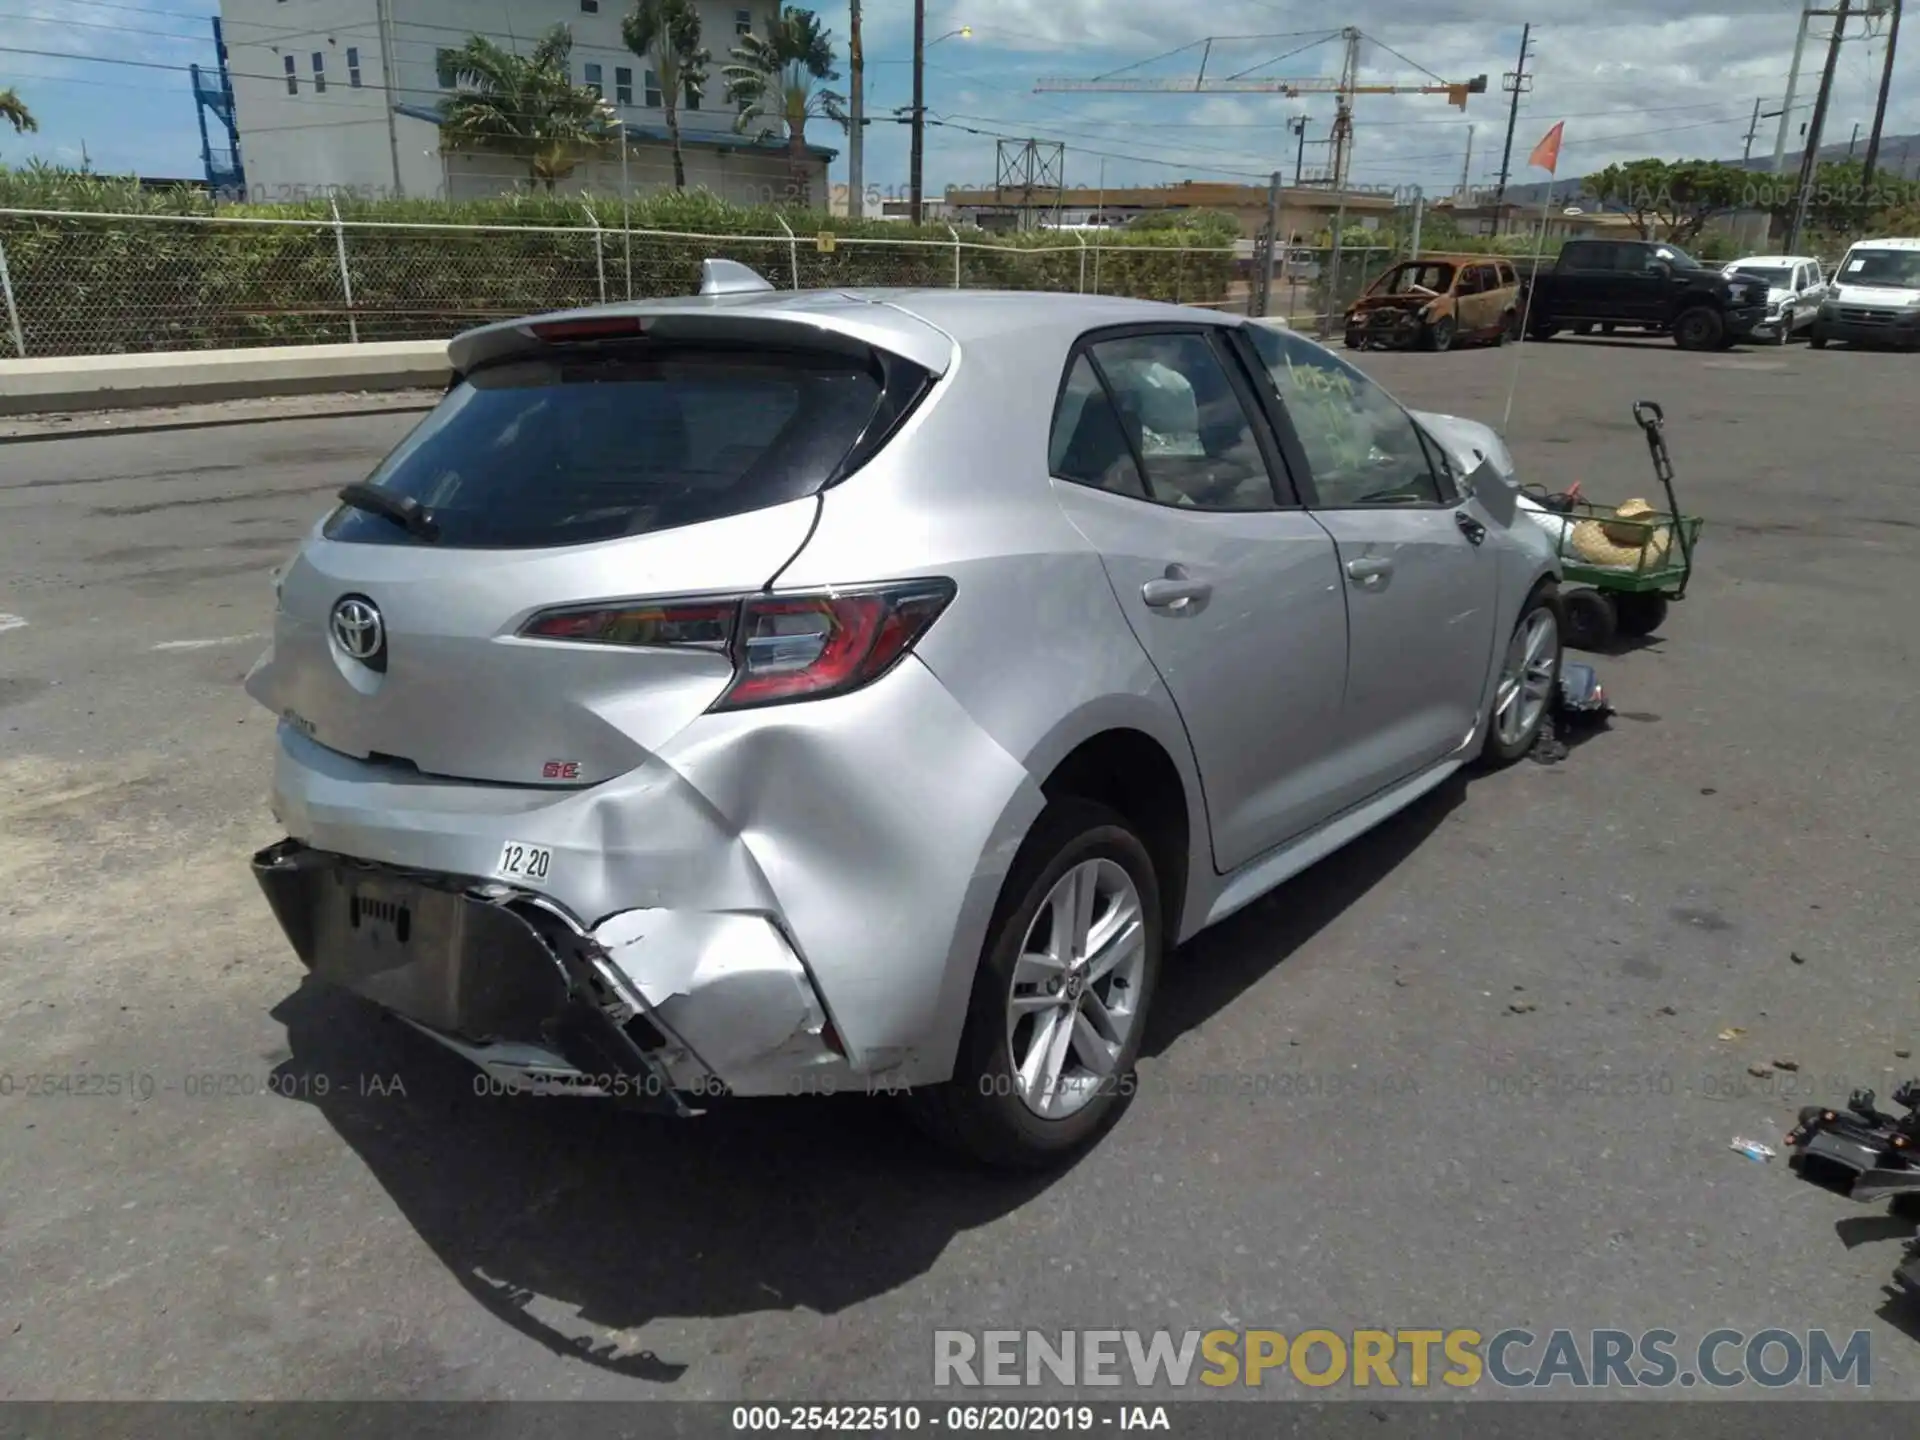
1662 268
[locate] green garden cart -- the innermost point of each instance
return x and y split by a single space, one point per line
1622 564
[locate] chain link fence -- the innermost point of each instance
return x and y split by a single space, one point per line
82 283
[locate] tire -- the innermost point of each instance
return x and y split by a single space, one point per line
1583 327
1817 340
1606 329
1701 328
979 1113
1544 332
1786 334
1530 674
1591 620
1639 613
1513 325
1439 335
1356 340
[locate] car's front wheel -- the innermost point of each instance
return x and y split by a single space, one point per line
1529 675
1059 1005
1701 328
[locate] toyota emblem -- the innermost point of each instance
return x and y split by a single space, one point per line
359 630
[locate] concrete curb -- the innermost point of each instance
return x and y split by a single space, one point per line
74 384
197 418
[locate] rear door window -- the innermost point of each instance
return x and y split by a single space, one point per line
1180 410
569 448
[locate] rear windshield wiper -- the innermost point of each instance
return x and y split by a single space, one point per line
405 511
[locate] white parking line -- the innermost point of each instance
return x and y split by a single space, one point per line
205 644
13 622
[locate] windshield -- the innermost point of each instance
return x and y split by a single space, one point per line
1778 277
1428 278
1894 269
566 449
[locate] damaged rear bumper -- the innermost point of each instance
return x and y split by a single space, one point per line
655 1007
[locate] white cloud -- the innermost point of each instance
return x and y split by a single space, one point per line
1637 82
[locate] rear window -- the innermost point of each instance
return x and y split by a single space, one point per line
569 448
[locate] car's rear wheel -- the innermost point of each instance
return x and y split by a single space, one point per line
1529 675
1059 1005
1700 328
1583 327
1817 340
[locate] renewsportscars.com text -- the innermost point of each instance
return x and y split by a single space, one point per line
1512 1358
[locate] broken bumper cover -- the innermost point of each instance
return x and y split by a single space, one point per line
1386 328
659 1008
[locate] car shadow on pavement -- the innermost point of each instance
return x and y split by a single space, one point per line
1213 970
572 1221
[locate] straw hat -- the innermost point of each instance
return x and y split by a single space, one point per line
1639 545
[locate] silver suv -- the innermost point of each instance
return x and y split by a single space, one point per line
772 693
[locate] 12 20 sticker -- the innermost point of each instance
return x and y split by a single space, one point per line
521 861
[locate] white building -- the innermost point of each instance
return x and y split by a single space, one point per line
344 95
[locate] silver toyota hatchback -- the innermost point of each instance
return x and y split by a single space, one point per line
770 693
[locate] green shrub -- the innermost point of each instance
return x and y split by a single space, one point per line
87 284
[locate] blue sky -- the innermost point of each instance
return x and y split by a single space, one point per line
1638 82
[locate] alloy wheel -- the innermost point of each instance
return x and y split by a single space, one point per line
1526 678
1075 996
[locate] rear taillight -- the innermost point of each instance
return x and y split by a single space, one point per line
783 647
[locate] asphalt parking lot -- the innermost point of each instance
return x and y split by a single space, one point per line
1474 1073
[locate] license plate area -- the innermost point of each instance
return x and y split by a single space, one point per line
384 919
434 955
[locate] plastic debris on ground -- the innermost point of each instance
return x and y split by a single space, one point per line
1752 1149
1581 704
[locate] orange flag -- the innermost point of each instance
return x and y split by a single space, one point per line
1546 155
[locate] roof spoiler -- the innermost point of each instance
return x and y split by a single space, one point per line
730 277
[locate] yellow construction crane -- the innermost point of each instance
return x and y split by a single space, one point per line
1343 87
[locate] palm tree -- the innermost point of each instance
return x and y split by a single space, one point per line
14 111
666 34
774 77
524 105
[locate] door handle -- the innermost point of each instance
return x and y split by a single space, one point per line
1176 591
1470 527
1369 569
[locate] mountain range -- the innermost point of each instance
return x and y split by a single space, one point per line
1899 156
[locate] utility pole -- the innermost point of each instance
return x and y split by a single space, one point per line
1854 139
1519 82
1809 160
1466 166
1880 107
1753 127
917 148
1793 83
856 116
383 22
1299 127
1268 248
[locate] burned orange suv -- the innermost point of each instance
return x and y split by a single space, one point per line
1435 301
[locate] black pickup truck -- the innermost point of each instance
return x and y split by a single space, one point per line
1642 285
